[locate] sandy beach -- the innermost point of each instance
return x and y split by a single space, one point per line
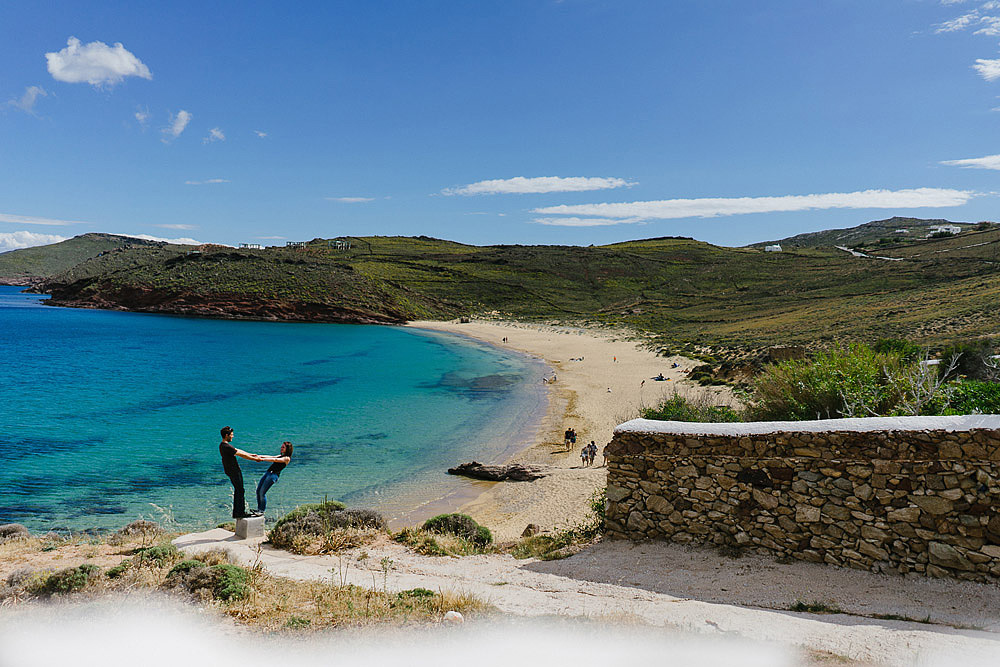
602 378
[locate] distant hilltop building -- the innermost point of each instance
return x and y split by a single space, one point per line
950 229
902 231
772 248
251 246
295 244
339 244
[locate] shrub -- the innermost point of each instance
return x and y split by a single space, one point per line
185 566
141 528
681 409
460 525
904 349
68 580
844 382
222 582
975 397
159 555
118 570
329 524
231 582
13 531
973 359
420 542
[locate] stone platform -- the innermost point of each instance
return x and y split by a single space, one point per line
250 527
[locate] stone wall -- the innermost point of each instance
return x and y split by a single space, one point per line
906 494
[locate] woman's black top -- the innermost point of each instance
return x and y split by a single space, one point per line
276 468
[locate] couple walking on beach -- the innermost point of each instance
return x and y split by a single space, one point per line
232 469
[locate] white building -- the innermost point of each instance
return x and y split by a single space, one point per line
772 248
951 229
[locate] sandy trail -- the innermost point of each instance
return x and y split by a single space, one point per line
587 363
682 588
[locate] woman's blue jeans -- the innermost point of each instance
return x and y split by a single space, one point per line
265 483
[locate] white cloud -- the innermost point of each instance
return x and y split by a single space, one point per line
142 116
26 102
211 181
178 122
585 222
714 207
986 162
959 22
177 226
988 69
272 238
95 63
215 134
350 200
537 185
31 220
15 240
260 134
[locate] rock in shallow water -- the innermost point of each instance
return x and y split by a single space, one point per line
514 472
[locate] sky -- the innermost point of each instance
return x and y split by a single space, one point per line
569 122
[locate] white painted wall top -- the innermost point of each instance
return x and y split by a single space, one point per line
951 423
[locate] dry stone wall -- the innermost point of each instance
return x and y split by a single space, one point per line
887 495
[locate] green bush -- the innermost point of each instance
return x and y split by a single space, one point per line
231 582
69 580
681 409
975 397
319 520
904 349
185 566
973 360
851 381
160 555
460 525
118 570
420 542
223 581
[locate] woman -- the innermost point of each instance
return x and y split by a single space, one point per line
271 476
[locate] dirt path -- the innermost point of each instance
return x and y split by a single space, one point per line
676 587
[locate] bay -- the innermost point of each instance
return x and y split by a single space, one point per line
108 416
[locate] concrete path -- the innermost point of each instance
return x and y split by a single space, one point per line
572 587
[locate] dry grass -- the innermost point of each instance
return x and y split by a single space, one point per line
270 603
275 603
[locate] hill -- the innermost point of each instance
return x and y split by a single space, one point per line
680 291
28 266
891 230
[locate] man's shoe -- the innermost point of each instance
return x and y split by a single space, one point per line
252 513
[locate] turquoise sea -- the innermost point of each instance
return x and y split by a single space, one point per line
108 416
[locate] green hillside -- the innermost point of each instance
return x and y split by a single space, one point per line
29 265
891 230
678 290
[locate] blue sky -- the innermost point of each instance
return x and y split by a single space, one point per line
516 121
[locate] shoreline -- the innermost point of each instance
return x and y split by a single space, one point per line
587 363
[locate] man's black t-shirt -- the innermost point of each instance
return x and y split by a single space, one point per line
228 452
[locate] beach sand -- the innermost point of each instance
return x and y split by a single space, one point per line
587 363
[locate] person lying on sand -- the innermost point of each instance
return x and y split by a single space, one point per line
232 469
271 476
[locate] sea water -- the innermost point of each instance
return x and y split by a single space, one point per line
108 416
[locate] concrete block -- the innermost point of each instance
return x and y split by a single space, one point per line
250 527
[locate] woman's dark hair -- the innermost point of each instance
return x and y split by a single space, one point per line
226 430
286 449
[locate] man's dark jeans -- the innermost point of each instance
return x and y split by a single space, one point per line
239 494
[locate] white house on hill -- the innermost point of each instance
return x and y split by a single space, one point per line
772 248
951 229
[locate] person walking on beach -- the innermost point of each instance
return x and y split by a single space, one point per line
583 455
232 469
591 452
271 476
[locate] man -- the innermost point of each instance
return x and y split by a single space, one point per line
232 469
